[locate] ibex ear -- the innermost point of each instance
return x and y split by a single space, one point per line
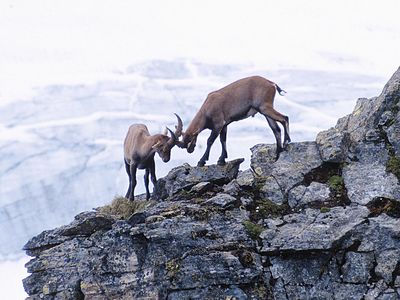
165 132
156 145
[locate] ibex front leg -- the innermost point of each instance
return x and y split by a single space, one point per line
153 175
210 141
146 183
128 171
132 185
224 154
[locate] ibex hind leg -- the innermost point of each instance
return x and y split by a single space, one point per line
278 117
287 139
277 133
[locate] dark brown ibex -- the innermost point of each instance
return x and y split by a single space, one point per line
139 150
237 101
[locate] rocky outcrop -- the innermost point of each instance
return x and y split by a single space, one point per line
321 222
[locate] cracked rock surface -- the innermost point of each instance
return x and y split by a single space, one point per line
321 222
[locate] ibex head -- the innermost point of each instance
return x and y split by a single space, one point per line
189 142
165 143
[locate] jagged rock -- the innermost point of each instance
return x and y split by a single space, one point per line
184 177
303 195
200 187
313 230
245 178
333 145
364 182
357 267
232 188
386 264
218 237
271 190
277 178
222 200
85 224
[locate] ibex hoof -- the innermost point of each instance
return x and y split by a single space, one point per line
221 162
201 163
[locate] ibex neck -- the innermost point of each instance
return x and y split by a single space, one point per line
197 124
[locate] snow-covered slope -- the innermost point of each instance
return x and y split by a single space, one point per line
61 152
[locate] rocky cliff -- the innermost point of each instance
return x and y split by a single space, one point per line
321 222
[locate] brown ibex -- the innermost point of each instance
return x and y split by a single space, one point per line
139 150
237 101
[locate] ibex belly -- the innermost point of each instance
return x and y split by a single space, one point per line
250 112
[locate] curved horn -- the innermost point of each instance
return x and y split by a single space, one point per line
173 138
179 127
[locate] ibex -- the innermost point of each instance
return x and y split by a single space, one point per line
237 101
139 150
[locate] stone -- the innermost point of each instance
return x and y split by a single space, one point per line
313 230
221 200
201 187
302 195
387 262
185 177
364 182
289 169
271 190
333 145
357 267
245 178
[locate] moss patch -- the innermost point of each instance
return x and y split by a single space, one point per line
172 266
336 183
122 208
325 210
252 229
264 208
393 166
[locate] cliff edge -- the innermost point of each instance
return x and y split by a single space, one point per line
321 222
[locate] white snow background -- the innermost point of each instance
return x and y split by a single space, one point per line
75 74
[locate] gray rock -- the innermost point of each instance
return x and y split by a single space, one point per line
232 188
200 187
313 230
288 171
271 190
302 195
221 200
333 145
386 264
380 235
245 178
185 177
357 267
364 182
